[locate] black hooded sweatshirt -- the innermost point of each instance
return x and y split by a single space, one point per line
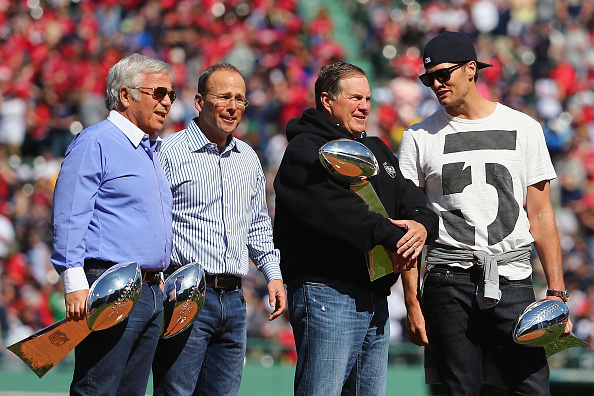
323 228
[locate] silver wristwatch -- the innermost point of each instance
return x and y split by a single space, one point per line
563 294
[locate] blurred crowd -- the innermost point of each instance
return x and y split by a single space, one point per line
55 55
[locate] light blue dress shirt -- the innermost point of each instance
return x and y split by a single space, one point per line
220 216
112 202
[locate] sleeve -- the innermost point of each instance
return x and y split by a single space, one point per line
408 158
538 162
315 197
413 203
73 205
260 243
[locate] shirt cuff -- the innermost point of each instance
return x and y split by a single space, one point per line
74 279
271 271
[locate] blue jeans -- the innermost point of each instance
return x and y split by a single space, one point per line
461 333
342 337
207 358
117 360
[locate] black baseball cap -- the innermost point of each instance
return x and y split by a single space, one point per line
450 47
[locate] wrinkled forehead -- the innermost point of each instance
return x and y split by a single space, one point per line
154 80
356 83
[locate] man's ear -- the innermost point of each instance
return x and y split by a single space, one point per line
198 102
472 69
326 99
125 96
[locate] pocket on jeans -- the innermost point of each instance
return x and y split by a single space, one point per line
241 295
93 274
435 278
321 284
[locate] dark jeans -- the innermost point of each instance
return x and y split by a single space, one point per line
342 336
462 334
206 359
117 360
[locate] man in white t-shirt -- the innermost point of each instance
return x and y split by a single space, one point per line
486 170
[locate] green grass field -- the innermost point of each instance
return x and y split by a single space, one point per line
258 380
266 374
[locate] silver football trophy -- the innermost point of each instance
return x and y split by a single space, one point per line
183 298
353 163
111 298
542 323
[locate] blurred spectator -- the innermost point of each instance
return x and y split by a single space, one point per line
13 109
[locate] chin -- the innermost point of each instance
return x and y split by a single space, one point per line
228 128
444 102
155 130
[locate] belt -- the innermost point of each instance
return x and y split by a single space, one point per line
223 281
152 278
96 263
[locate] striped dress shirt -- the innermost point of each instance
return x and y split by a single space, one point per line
220 217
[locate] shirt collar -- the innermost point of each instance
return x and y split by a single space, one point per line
132 132
197 140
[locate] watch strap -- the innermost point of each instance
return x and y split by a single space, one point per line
563 294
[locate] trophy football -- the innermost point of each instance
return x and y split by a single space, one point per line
542 323
111 298
183 298
353 163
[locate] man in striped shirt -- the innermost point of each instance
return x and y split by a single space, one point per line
220 219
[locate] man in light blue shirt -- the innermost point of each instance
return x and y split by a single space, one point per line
112 204
220 220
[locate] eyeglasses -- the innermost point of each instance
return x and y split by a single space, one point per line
441 75
225 101
159 93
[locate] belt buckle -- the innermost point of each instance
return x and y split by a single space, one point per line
224 282
152 277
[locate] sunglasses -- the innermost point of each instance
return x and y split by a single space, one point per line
441 75
159 93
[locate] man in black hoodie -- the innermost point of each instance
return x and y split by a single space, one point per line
323 229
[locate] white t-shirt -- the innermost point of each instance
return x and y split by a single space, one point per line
486 166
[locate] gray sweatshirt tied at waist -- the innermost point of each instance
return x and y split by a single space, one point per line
487 293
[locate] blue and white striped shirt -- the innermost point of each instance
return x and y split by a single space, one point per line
220 217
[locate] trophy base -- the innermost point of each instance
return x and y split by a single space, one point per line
378 263
43 350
